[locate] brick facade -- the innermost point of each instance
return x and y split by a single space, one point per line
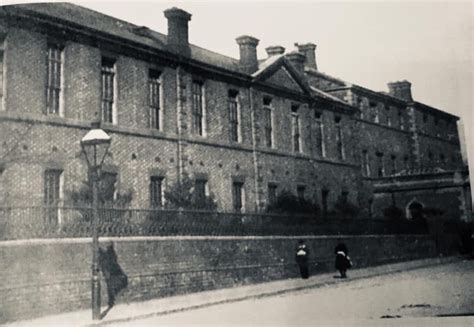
353 119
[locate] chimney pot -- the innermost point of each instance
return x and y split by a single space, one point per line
248 53
275 50
178 36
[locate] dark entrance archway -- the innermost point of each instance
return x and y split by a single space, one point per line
416 210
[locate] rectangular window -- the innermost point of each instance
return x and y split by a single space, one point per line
300 191
198 108
237 196
108 92
365 163
360 105
295 128
272 193
401 120
344 196
375 112
2 80
406 163
200 192
52 187
393 158
107 187
442 158
324 201
389 116
234 121
380 165
156 191
53 85
268 121
52 195
154 101
319 135
340 148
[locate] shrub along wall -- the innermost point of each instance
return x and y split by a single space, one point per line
39 277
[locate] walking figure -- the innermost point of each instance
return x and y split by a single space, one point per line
343 262
115 278
302 254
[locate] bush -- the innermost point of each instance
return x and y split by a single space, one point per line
393 212
288 203
83 197
108 200
431 212
345 208
181 195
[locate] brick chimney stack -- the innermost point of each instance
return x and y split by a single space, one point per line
248 53
401 90
178 37
275 50
297 60
309 51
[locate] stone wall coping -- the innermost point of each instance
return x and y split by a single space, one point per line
86 240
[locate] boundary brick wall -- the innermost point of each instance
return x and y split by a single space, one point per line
40 277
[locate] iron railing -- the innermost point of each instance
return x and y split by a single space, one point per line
53 222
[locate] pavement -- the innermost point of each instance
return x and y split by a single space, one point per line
128 312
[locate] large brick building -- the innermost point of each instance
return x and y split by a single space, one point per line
242 129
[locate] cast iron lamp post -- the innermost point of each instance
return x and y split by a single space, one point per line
95 145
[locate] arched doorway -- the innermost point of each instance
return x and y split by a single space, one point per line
415 210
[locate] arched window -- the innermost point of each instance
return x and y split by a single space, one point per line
414 210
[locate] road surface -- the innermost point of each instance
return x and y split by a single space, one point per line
435 296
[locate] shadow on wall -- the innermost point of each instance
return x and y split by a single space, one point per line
115 279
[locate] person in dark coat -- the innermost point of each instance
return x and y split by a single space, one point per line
343 261
115 278
302 254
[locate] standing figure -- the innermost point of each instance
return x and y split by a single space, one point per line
115 278
302 254
343 261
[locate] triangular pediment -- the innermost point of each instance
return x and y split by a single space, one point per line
282 78
281 74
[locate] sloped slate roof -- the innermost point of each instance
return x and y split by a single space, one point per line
264 64
327 96
318 73
111 25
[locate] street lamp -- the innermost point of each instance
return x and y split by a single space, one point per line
95 145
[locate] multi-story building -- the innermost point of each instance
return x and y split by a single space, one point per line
242 129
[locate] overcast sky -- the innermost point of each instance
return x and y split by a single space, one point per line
429 43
